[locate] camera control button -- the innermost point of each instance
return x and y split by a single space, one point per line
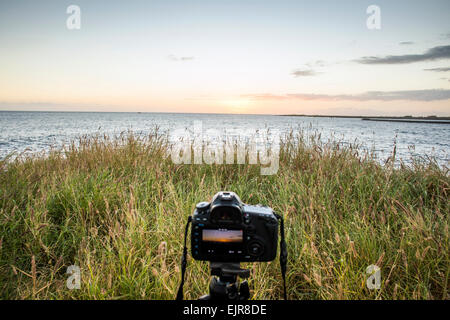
255 249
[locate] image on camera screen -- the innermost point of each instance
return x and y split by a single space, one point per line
221 235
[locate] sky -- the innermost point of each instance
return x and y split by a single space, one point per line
245 56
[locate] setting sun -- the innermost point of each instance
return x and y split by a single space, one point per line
238 105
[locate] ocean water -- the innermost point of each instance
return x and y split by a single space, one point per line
28 132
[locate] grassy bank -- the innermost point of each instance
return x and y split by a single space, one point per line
117 209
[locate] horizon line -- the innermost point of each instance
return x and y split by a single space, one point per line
247 114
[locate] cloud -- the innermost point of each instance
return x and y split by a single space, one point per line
317 63
410 95
441 52
175 58
406 43
438 69
304 73
265 96
309 69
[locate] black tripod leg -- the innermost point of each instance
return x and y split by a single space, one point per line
244 291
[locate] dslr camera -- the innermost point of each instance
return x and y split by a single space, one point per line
227 230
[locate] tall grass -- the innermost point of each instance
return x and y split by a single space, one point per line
117 209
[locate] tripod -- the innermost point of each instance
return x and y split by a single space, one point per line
224 285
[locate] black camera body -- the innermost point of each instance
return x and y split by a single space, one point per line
227 230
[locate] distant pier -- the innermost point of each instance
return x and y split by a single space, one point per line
408 120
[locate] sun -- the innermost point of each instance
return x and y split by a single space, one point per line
238 105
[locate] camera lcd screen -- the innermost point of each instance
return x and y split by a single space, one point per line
222 235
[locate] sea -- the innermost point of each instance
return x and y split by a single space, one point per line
23 132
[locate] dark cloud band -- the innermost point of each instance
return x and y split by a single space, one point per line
438 69
441 52
411 95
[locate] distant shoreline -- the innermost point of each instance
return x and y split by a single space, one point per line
409 120
375 118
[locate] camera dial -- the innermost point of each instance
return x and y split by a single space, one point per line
202 207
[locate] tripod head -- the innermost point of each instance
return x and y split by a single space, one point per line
224 285
228 270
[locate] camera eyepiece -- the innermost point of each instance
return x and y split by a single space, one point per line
226 208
